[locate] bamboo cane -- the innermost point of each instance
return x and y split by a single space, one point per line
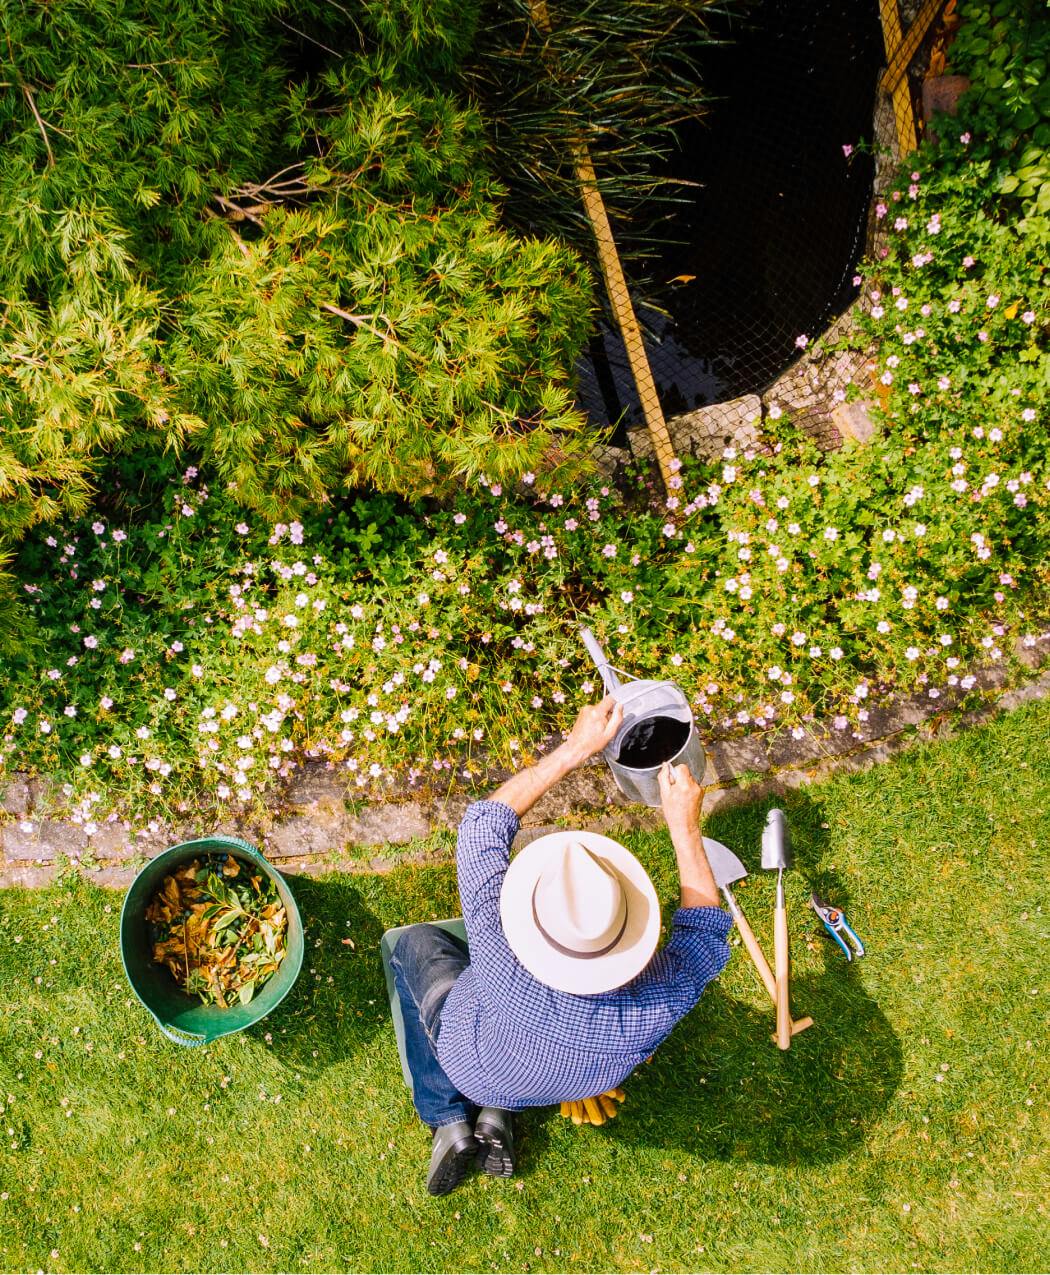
903 112
616 287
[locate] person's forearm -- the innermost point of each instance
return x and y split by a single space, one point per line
698 887
523 790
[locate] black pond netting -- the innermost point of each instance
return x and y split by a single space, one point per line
771 236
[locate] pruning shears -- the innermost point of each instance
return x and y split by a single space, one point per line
836 925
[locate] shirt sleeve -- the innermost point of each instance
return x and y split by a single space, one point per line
696 953
482 857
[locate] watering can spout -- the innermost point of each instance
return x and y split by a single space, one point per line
609 678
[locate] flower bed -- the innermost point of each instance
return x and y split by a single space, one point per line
200 649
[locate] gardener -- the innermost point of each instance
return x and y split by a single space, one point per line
560 995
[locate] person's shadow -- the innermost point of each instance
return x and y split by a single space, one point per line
719 1087
338 1003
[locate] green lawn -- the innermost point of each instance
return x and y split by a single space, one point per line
905 1131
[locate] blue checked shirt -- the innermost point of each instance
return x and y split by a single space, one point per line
507 1040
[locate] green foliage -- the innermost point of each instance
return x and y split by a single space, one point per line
299 273
1004 47
617 76
195 651
366 337
428 36
336 330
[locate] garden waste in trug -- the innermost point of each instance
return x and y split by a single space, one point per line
219 927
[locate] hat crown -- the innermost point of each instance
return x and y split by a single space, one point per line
579 901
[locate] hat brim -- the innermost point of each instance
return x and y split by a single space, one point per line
580 975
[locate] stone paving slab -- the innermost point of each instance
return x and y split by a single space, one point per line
43 840
21 876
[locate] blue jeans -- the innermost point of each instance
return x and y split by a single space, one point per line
426 962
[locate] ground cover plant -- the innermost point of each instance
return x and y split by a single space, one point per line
214 650
905 1130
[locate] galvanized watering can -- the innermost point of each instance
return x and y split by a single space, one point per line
657 727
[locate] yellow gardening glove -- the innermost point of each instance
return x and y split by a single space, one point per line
594 1110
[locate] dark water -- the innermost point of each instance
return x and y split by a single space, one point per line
775 230
652 742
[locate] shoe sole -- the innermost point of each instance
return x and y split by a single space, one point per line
495 1156
453 1168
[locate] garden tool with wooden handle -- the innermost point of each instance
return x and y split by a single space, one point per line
727 869
776 853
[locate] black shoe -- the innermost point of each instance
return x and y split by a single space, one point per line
494 1131
455 1150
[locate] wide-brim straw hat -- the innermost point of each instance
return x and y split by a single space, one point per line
579 912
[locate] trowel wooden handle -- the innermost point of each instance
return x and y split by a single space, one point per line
758 957
782 960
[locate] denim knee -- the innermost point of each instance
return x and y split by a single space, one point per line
417 942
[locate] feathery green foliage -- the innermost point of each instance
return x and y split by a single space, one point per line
299 272
616 76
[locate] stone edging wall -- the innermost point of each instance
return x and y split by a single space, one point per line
319 829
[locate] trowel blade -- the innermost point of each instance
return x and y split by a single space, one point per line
725 866
776 843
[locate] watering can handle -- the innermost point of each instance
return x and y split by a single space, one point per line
609 678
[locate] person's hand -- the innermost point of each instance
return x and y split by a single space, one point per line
681 798
594 728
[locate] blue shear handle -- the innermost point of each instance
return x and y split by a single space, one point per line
839 939
853 935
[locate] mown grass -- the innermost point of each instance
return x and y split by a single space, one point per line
905 1131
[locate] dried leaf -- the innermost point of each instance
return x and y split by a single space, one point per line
221 937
